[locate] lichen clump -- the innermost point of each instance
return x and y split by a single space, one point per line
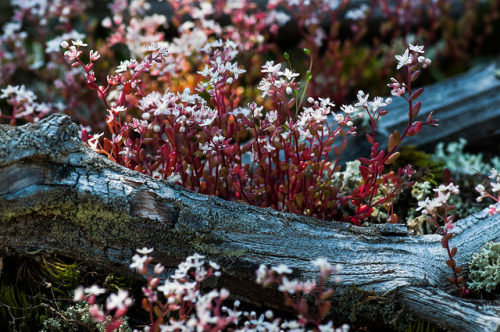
485 268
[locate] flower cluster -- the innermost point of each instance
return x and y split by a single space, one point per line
185 119
178 304
275 158
429 206
437 211
495 187
24 105
117 304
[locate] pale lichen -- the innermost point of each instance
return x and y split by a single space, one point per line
485 268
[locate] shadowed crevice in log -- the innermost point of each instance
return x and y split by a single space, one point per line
57 195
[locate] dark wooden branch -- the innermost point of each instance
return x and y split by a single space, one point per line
56 195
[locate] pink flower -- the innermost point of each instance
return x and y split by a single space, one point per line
73 53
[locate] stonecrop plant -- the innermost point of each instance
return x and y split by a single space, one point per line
178 303
221 109
270 157
217 115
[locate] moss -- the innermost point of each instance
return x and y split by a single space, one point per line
20 311
366 308
420 326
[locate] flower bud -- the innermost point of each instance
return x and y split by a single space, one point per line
107 23
64 44
153 283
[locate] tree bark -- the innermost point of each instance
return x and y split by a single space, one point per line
56 195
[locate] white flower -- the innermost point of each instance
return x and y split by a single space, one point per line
495 186
304 134
348 109
480 189
288 286
281 269
325 102
94 290
404 59
73 53
94 141
493 173
257 113
377 103
206 71
119 109
152 47
214 265
119 300
442 197
79 294
78 43
323 265
422 205
358 13
261 274
145 250
270 67
362 99
398 92
272 116
269 147
416 48
94 55
289 74
138 262
453 189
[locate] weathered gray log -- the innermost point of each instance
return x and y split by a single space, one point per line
467 105
56 195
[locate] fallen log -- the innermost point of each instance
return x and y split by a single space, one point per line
466 106
56 195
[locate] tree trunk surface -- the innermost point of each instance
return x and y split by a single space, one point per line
56 195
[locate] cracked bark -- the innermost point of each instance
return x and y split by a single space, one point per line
56 195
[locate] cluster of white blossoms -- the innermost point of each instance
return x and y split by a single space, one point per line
221 70
185 108
411 55
211 147
429 206
495 187
24 102
277 79
182 293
